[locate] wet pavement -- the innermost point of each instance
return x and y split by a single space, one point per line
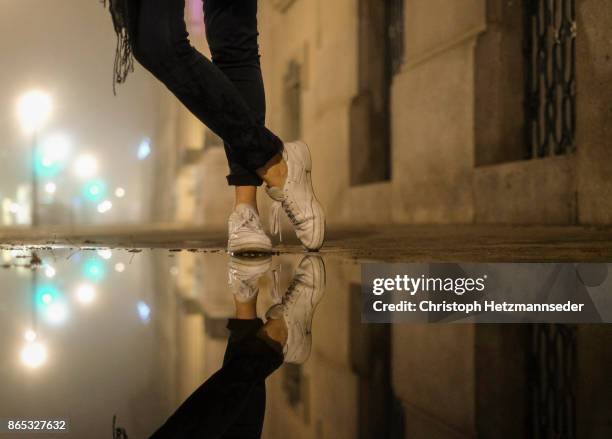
91 333
469 243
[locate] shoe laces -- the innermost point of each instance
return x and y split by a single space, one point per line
290 209
290 297
248 220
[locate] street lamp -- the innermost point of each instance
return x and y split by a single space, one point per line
33 110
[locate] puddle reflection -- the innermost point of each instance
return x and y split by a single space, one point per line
93 333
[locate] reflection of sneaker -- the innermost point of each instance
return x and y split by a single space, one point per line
297 308
297 198
246 235
244 275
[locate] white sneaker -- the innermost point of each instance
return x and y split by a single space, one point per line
244 274
297 198
298 306
246 234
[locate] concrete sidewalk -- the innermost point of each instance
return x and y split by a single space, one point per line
393 243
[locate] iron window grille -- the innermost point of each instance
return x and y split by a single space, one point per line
550 77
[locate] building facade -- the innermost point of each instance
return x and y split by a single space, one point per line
483 111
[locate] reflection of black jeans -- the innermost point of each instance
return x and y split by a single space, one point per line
232 403
227 96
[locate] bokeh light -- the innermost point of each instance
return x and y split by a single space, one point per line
33 110
94 269
50 271
85 294
34 355
144 311
105 206
50 188
105 253
119 192
144 149
86 166
94 190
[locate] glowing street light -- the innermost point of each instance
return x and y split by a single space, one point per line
86 166
30 335
33 110
52 155
95 190
119 267
105 206
56 147
50 188
119 192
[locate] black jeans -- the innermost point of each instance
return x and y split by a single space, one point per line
227 95
232 403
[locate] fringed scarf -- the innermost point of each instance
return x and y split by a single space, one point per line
124 59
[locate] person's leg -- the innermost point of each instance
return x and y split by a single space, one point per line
160 43
216 405
249 422
231 31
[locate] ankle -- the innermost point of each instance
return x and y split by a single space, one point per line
246 310
276 330
246 195
274 173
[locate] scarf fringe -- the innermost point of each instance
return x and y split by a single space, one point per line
124 57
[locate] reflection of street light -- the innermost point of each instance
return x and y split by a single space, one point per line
144 149
33 354
119 267
105 253
50 272
34 109
144 311
57 313
85 294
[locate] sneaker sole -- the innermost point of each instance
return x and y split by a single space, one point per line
260 265
247 246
